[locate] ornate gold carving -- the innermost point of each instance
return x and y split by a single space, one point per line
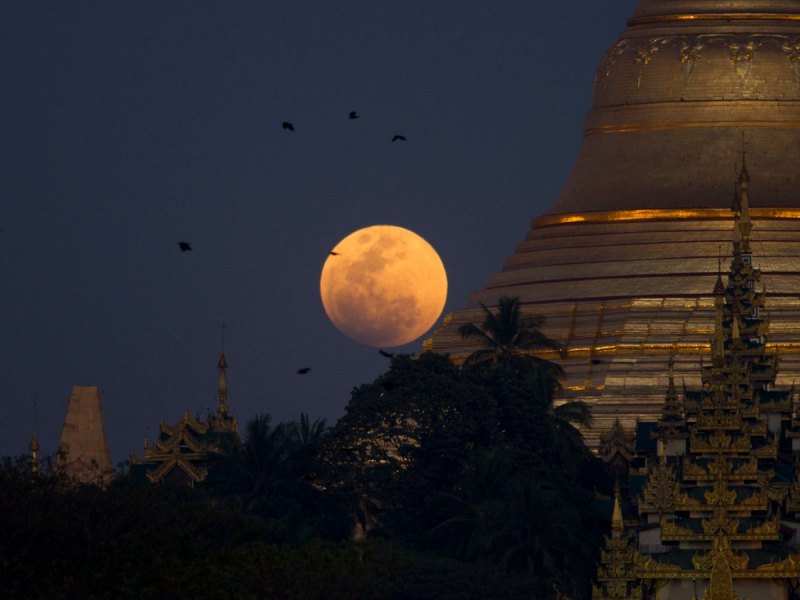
741 55
788 567
643 54
721 546
617 440
792 49
616 576
650 568
719 442
662 490
689 52
610 59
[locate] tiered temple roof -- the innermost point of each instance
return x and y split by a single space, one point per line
718 511
182 453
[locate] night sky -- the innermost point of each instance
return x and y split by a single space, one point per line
126 127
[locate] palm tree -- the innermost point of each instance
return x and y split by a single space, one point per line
506 336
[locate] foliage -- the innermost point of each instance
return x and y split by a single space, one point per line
476 464
438 482
507 334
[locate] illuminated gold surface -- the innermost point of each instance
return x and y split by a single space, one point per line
753 16
623 264
667 125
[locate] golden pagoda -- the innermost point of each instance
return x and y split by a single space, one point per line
716 502
183 453
623 263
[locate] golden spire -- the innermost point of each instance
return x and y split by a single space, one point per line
617 526
718 346
743 215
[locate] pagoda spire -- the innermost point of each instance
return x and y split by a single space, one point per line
616 574
222 387
34 447
718 345
741 209
617 524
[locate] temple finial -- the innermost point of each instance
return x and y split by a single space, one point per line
222 387
743 224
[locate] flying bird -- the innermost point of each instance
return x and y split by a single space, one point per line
399 138
287 125
353 115
332 253
185 246
303 371
386 354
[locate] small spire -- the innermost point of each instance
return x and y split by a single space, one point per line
718 343
744 225
736 206
34 449
617 525
222 387
744 176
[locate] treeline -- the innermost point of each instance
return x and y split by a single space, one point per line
438 482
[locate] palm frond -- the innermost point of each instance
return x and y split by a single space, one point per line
577 412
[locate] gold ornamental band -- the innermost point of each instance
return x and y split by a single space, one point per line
752 16
668 125
661 214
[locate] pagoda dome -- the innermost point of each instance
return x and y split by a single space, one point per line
623 265
675 94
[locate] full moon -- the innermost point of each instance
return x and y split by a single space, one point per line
383 286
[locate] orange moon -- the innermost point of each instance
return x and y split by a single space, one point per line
383 286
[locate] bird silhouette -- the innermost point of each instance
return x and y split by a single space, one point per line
185 246
303 371
287 125
353 115
386 354
399 138
332 253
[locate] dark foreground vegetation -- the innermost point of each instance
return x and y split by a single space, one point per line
438 482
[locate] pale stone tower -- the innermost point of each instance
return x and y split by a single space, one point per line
623 264
83 450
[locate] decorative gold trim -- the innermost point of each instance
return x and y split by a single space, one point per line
667 125
661 214
750 16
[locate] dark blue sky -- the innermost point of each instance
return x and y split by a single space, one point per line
128 126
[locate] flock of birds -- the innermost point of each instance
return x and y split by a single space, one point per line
187 247
351 115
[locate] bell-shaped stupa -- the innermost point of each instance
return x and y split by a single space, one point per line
623 264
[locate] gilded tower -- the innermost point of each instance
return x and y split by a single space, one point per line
713 514
624 263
